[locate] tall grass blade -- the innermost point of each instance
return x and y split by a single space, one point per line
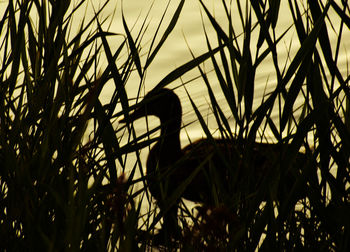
166 34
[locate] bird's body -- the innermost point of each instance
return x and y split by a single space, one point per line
199 169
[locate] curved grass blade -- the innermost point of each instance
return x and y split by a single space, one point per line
167 32
175 74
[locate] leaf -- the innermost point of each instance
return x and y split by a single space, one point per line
134 50
167 32
178 72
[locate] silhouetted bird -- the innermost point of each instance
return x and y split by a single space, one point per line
202 170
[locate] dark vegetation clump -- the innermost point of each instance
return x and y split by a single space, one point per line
70 181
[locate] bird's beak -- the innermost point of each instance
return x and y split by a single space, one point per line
140 109
137 111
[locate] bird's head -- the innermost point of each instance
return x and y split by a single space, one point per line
162 103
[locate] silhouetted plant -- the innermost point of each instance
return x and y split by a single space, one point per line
64 184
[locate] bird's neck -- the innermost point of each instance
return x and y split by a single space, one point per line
170 135
166 151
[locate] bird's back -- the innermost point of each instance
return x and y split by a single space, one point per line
206 167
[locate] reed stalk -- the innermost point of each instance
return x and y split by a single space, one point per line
66 182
